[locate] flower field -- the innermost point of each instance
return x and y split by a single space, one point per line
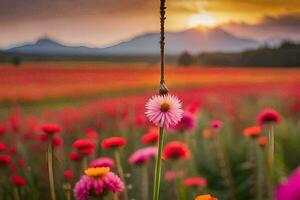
79 131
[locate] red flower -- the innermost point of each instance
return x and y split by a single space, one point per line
18 181
21 162
13 168
74 156
92 134
12 150
207 133
68 174
150 137
56 141
195 181
268 116
262 141
113 142
176 150
253 131
50 129
2 129
84 146
2 146
5 159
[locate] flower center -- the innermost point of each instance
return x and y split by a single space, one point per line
165 107
99 171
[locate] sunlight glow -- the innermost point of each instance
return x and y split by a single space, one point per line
201 19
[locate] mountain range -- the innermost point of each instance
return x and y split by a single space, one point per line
192 40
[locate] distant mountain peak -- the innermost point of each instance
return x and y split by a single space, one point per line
46 41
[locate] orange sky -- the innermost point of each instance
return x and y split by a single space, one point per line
101 22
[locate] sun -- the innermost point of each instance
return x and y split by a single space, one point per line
201 19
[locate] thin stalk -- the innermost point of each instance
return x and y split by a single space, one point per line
224 167
271 161
16 193
85 162
120 171
51 170
115 196
144 183
68 190
260 173
158 165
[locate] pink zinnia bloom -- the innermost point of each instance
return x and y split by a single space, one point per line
164 110
103 162
97 184
141 156
268 116
289 189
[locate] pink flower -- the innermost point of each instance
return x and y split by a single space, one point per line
216 124
96 183
187 123
172 175
103 162
289 189
164 110
268 116
195 181
141 156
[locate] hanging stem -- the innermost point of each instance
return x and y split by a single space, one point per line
158 164
162 40
50 169
163 88
120 171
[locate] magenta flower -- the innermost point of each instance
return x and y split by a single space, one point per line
216 124
141 156
102 162
268 116
164 110
289 189
97 181
187 122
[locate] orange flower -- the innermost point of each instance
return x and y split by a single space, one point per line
207 133
205 197
253 131
262 141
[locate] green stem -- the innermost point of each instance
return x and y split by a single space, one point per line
144 182
158 165
115 196
16 193
260 173
271 161
85 162
51 170
120 171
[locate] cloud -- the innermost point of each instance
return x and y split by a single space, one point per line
28 10
284 26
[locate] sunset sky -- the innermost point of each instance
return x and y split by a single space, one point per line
100 23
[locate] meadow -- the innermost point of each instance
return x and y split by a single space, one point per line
223 148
